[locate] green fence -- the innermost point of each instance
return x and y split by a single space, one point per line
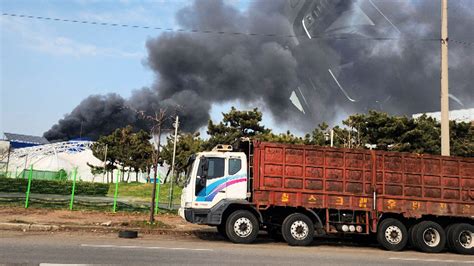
60 190
63 187
44 175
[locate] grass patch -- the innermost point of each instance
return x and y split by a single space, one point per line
53 187
78 207
155 225
143 191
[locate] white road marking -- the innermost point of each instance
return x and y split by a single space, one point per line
57 264
434 260
144 247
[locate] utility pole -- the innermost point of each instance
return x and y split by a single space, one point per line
172 164
8 159
444 80
332 137
105 165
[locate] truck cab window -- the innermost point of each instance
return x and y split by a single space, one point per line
234 166
215 168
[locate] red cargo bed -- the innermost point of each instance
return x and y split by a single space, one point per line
335 178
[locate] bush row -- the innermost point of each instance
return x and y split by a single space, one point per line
53 187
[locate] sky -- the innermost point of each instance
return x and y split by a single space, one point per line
48 67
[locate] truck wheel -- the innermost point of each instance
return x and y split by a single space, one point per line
463 238
411 235
450 237
221 230
242 227
430 237
298 230
392 234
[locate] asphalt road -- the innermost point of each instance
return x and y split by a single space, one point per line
89 248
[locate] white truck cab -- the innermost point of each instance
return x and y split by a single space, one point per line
214 180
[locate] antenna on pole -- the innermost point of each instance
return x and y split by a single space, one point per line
444 80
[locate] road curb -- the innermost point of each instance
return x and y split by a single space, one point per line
28 227
92 228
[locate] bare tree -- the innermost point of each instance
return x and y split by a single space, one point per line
157 122
156 130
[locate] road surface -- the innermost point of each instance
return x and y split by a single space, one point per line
89 248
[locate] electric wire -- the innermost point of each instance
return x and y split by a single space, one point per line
252 34
320 37
462 42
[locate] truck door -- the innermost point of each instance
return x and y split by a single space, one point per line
210 181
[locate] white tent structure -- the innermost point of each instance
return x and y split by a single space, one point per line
67 156
56 156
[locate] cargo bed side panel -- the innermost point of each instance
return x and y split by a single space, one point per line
321 177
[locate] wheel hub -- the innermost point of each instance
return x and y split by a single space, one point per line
299 230
393 234
243 227
428 237
466 239
431 237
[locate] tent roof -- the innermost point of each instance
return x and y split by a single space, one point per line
26 138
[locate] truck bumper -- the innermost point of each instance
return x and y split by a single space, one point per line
202 216
212 216
181 213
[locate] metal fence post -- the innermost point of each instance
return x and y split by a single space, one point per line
116 190
157 196
30 176
73 188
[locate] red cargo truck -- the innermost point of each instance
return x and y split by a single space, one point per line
299 191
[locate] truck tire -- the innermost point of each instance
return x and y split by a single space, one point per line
128 234
221 230
392 234
242 227
298 230
411 235
450 237
430 237
462 238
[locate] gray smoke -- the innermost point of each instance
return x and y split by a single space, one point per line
94 116
196 70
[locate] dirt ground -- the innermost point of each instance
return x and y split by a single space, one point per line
87 218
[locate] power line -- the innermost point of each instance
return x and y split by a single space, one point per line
88 22
462 42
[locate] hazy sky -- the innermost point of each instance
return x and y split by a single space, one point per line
48 67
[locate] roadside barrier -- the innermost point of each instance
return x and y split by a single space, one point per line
74 194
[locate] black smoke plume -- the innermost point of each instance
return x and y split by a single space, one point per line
362 55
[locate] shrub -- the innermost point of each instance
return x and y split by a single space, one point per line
53 187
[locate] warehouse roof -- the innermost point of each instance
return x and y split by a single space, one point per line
463 115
